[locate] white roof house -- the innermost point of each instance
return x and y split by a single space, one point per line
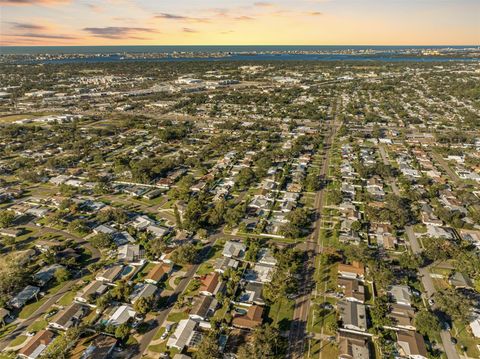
401 294
121 315
184 334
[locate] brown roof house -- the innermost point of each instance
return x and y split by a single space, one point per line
35 346
158 273
353 346
211 285
203 308
252 319
411 344
354 270
353 289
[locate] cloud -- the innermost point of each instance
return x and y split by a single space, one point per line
315 13
32 2
263 4
26 26
189 30
244 18
168 16
118 32
43 36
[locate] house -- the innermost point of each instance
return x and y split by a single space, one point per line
411 344
401 294
439 232
233 249
253 318
260 273
223 263
185 335
158 231
471 236
121 314
475 325
354 270
104 229
211 285
35 346
122 238
11 232
110 275
100 348
203 308
252 294
158 273
353 289
131 253
402 316
142 290
46 274
353 315
265 257
460 280
91 292
68 317
27 293
352 345
142 222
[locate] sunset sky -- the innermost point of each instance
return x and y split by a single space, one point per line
239 22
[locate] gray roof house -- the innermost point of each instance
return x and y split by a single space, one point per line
353 315
28 293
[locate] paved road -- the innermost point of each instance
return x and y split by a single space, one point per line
301 311
162 316
424 273
453 176
40 312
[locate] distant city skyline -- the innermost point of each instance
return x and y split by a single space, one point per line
237 22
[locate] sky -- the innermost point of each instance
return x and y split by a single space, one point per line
239 22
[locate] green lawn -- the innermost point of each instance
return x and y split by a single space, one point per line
67 299
176 317
204 269
159 333
465 338
28 310
281 313
38 325
321 318
17 341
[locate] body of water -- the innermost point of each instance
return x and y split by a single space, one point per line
92 54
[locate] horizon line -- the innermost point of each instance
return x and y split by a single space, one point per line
269 45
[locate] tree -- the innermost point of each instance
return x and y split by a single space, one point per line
101 240
143 305
456 305
6 218
427 323
78 225
62 275
379 312
122 291
185 254
122 331
299 219
208 348
61 345
178 219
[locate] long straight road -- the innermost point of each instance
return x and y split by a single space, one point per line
313 247
424 273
